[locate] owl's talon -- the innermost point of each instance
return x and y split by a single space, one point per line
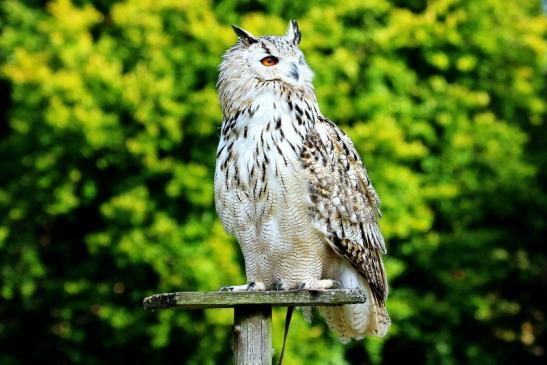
250 286
279 286
319 285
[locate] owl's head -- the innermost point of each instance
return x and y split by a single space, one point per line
267 58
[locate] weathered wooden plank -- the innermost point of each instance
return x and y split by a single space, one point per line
198 300
253 334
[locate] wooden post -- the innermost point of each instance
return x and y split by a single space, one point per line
252 334
252 330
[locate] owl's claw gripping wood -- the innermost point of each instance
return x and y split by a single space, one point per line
251 286
226 288
319 285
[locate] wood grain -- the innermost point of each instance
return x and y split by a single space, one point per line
200 300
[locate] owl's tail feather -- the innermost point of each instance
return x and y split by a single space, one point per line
357 320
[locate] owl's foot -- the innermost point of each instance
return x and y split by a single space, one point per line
279 286
319 285
251 286
309 284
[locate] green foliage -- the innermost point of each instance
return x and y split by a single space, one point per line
108 147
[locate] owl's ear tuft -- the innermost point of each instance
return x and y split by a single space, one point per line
293 33
246 37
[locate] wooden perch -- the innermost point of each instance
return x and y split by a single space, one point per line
200 300
253 313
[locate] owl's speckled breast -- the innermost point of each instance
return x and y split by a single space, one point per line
262 193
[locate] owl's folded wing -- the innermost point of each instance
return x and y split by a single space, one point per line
346 205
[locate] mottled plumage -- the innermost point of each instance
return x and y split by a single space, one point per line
290 186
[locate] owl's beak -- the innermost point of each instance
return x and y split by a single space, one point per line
294 71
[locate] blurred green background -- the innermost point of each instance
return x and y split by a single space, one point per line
108 129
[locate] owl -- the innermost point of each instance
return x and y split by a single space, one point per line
291 187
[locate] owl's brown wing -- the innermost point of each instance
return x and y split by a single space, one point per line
346 205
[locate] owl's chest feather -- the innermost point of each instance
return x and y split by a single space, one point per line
259 151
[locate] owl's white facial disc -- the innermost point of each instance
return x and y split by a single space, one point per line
290 66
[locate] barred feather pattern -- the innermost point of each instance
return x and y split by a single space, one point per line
346 209
290 186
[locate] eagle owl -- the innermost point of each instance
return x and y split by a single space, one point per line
290 186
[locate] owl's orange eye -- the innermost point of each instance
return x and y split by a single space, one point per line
269 61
